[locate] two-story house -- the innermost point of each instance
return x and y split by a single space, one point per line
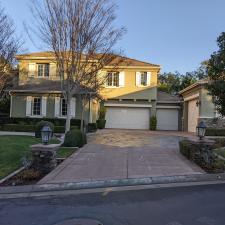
130 95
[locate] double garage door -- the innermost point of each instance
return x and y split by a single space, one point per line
139 118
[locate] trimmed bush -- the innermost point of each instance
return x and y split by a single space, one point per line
215 132
101 123
153 123
102 112
34 121
61 129
92 127
74 138
17 128
40 125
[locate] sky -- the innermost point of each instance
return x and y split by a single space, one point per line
176 34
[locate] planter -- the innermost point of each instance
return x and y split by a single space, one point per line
101 123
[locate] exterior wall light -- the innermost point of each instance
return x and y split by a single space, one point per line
200 130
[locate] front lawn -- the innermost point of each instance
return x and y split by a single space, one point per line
64 152
13 149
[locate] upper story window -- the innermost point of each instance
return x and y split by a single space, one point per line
113 79
36 106
144 78
43 70
63 107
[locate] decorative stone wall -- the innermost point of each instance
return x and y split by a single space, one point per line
217 123
44 157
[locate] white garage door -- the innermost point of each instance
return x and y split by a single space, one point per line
193 114
167 119
127 118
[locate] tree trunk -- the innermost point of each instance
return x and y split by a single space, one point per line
82 116
68 117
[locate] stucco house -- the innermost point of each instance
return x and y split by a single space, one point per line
198 106
130 95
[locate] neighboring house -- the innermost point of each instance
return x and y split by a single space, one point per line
130 94
198 106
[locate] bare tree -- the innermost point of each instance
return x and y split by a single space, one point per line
82 36
9 45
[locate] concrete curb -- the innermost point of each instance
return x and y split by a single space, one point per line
12 174
54 189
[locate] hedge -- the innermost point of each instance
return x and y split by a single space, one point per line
30 128
92 127
215 132
153 123
101 123
34 121
74 138
202 156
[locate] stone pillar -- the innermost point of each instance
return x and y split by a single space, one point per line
44 157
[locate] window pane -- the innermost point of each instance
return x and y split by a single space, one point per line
40 70
46 70
109 79
63 107
37 106
116 80
144 78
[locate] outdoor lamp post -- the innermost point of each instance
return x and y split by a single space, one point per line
46 134
200 130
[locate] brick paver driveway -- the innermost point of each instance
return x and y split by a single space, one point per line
119 154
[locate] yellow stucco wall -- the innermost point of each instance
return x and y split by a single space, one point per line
106 92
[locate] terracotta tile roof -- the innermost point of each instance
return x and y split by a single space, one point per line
123 61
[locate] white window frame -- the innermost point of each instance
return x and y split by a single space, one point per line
44 69
32 107
113 74
146 76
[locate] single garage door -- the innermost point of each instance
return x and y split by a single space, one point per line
193 114
167 119
127 118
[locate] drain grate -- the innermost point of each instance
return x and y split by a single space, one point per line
80 222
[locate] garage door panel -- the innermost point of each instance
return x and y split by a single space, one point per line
127 118
167 119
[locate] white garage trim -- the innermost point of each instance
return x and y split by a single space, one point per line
191 97
168 107
128 105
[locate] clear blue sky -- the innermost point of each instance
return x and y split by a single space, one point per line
177 34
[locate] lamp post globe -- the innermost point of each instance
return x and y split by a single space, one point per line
46 134
200 130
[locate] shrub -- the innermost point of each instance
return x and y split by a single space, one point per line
92 127
61 129
101 123
153 123
102 113
17 128
74 138
215 132
34 121
40 125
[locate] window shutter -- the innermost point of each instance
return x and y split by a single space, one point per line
43 106
122 79
28 106
73 107
52 71
148 78
31 69
138 78
57 106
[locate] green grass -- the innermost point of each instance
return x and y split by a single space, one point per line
65 152
220 152
13 149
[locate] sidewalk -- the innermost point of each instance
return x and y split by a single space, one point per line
11 133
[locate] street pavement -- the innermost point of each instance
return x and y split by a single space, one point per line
124 154
195 205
